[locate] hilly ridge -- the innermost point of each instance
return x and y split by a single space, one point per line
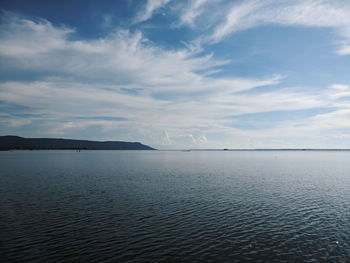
10 142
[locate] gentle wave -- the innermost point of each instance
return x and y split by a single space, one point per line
175 207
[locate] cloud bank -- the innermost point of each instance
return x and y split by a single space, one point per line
126 87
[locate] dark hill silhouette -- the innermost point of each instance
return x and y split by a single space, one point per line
20 143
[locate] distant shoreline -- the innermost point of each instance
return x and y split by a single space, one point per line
70 149
11 142
250 150
177 150
242 150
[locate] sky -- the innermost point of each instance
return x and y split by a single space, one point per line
177 74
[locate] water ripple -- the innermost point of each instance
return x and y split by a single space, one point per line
174 207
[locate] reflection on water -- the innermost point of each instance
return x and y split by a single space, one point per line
169 206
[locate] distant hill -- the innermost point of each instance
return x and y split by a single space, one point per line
20 143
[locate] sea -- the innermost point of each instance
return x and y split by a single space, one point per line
175 206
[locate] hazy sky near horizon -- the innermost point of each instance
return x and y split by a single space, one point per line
178 73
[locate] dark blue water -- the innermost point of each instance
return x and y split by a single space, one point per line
172 206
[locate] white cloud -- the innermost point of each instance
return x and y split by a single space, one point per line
19 37
340 87
148 10
123 74
192 11
309 13
339 118
167 97
187 123
14 122
340 90
124 59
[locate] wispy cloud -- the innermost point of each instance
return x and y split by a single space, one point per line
147 11
192 10
308 13
130 88
123 74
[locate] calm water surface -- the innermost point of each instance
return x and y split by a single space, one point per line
170 206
